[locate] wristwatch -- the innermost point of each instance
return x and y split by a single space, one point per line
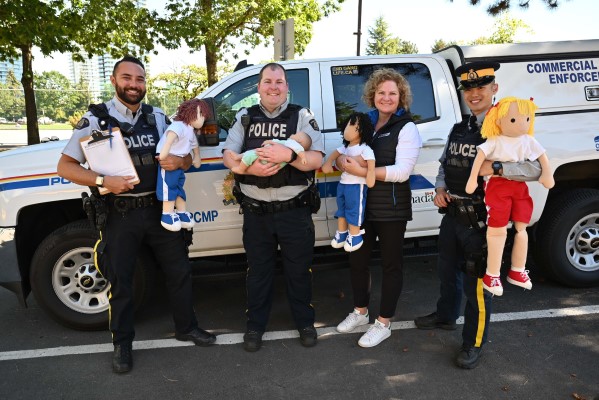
100 180
293 157
497 166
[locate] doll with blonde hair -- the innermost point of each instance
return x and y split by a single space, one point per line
508 128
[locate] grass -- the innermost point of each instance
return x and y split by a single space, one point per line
51 127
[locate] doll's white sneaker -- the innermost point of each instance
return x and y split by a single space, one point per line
352 321
171 222
375 334
519 278
186 219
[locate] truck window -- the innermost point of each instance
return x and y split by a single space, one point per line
244 94
348 86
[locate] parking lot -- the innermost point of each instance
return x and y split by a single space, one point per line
543 345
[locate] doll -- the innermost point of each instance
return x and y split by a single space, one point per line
351 191
179 139
508 128
298 142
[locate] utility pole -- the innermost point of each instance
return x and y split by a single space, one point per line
359 32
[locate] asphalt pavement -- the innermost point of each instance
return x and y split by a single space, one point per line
544 344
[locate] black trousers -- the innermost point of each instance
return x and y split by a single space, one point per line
124 236
391 237
293 231
456 241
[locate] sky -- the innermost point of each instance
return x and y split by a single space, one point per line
420 22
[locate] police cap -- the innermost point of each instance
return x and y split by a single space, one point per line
476 74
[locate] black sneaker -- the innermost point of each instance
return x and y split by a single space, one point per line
308 336
468 357
122 358
431 321
252 341
197 335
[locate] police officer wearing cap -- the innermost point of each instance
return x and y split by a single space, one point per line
276 204
462 243
133 216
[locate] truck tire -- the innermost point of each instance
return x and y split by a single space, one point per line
567 245
67 285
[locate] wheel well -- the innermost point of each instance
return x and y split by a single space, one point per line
581 174
37 221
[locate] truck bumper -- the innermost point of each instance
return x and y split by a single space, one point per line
10 276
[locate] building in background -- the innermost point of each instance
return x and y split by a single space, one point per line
12 65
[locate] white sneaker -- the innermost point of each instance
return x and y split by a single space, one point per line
375 334
352 321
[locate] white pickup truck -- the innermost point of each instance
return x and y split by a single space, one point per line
46 240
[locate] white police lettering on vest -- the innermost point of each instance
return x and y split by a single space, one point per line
139 141
268 129
466 150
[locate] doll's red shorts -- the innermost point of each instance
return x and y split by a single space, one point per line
507 201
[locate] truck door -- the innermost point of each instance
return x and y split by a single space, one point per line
218 222
434 110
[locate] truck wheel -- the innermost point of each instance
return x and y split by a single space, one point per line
67 285
568 238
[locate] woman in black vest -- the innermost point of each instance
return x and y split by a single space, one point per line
396 144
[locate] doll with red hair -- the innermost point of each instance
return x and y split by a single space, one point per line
508 128
179 139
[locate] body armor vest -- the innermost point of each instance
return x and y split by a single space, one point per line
141 143
389 201
459 156
259 128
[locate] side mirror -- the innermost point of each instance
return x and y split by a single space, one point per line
208 135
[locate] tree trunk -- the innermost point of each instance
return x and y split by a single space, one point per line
211 60
33 133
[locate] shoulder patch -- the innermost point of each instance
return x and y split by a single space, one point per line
167 120
83 123
314 125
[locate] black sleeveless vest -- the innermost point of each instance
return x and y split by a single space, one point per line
141 143
261 128
459 156
389 201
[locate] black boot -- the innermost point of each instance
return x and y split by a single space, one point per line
122 358
469 357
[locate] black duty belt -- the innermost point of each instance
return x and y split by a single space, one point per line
123 204
267 207
143 159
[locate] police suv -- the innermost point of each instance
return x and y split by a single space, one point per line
46 241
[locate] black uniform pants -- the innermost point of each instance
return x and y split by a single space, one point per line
391 237
124 236
456 241
293 231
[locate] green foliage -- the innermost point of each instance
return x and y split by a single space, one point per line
381 41
504 30
55 97
441 44
219 26
12 101
74 119
499 6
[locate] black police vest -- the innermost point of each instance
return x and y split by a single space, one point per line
389 201
261 128
459 156
141 143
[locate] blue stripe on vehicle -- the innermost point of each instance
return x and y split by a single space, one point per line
24 184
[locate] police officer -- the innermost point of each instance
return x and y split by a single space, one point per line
462 245
133 211
276 204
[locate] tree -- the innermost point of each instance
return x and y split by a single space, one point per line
12 101
381 41
218 26
441 44
54 95
499 6
82 27
504 30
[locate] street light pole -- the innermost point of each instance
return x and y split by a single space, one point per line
359 32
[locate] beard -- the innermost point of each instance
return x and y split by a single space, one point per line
129 98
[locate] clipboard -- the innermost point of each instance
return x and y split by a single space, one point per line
107 154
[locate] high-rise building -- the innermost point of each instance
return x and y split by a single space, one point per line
12 65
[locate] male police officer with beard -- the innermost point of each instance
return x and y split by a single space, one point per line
462 243
276 204
133 211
